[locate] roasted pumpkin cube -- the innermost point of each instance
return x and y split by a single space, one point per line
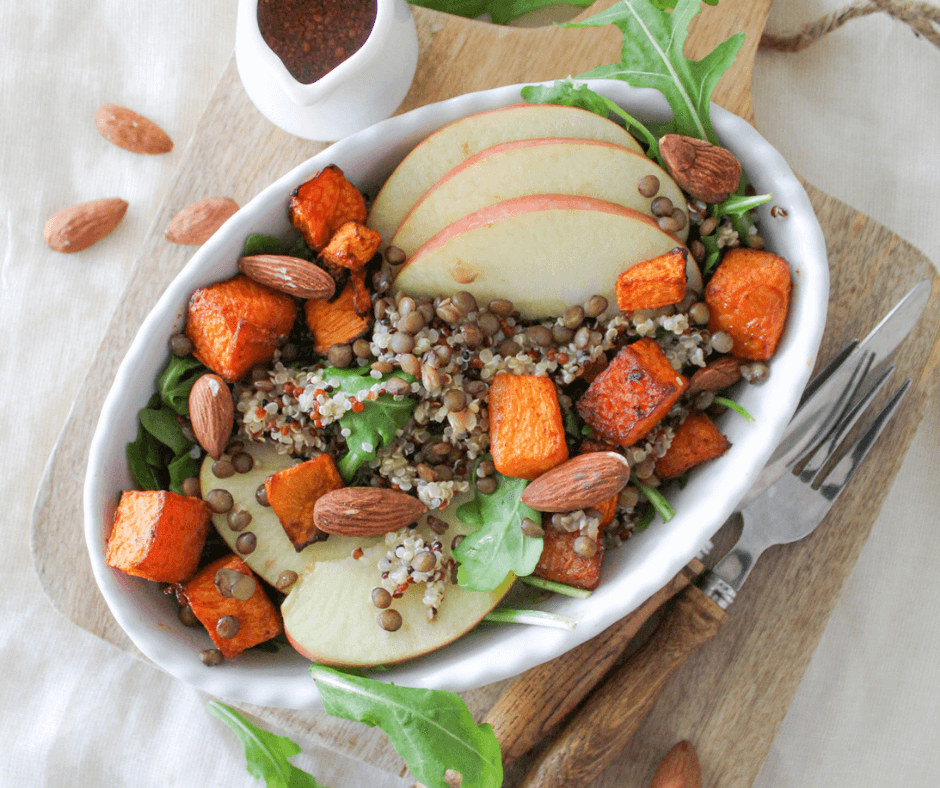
323 204
352 246
158 535
335 322
653 283
697 440
237 323
748 297
256 619
560 563
632 395
293 493
527 436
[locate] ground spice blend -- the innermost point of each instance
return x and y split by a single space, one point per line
312 37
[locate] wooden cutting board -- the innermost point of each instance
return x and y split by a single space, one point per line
741 684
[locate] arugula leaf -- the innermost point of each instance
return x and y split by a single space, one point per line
657 499
739 204
257 243
652 57
138 456
569 94
739 409
162 424
266 753
497 547
467 8
503 11
176 381
432 730
181 468
377 424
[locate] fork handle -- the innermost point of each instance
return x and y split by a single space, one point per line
610 716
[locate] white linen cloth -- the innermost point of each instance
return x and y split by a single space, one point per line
857 114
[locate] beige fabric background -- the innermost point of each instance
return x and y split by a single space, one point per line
858 114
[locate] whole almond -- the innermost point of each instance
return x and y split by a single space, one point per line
131 131
292 275
365 511
716 375
79 226
212 413
579 483
707 172
680 768
196 223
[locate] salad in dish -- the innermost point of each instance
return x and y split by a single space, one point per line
387 419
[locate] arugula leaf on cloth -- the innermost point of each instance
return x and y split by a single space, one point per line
652 57
497 547
377 424
569 94
432 730
266 753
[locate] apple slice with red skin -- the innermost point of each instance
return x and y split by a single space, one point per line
586 168
443 150
542 252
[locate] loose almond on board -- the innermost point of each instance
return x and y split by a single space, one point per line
707 172
579 483
79 226
131 131
292 275
212 413
679 768
196 223
366 511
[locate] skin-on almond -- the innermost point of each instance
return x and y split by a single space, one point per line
365 511
579 483
212 413
131 131
707 172
79 226
716 375
196 223
292 275
680 768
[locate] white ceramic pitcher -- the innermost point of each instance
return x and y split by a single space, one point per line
365 88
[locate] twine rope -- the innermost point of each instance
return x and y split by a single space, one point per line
922 17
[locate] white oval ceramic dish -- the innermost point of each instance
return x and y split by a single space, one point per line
631 574
365 88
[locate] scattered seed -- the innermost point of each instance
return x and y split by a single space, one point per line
437 525
662 206
596 305
339 356
487 485
381 598
180 345
187 617
220 501
539 335
777 212
285 581
246 543
191 487
455 542
211 656
668 224
501 306
424 561
227 627
401 343
465 302
361 348
628 497
410 364
390 620
648 185
223 469
394 255
261 495
238 519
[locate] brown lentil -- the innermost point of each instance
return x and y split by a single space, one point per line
465 302
381 598
410 364
486 468
700 313
662 206
648 185
448 311
243 462
427 309
220 501
708 226
380 310
394 255
585 547
246 543
539 335
340 356
596 305
437 525
191 487
412 323
211 656
187 617
455 401
390 620
401 343
487 485
180 345
501 306
668 224
227 627
455 542
361 348
472 335
561 335
680 218
573 317
397 386
238 519
285 581
531 528
509 347
406 305
698 250
223 469
628 497
424 561
261 495
488 323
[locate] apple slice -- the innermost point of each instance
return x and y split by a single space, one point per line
589 168
273 553
542 252
329 616
443 150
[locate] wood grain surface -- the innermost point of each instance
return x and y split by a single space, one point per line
731 696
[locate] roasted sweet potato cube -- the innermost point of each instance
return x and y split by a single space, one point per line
632 395
657 282
748 297
560 563
335 322
527 436
256 618
158 535
323 204
236 323
293 492
352 246
697 440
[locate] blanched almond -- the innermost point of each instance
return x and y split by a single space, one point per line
707 172
79 226
131 131
579 483
365 511
292 275
680 768
197 222
212 413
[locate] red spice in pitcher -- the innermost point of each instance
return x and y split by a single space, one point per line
312 37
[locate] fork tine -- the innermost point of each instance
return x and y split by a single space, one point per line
824 374
844 470
821 454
